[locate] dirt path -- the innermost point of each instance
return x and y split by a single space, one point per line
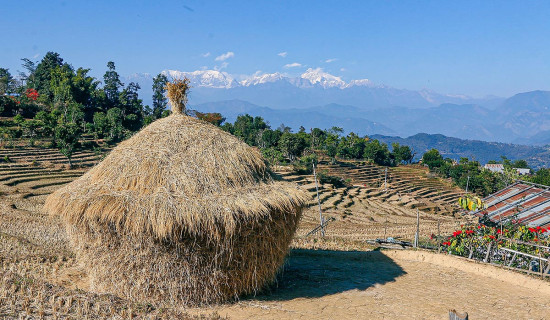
392 285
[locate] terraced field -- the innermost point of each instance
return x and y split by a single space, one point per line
33 173
370 209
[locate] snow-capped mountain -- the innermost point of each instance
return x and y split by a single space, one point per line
205 78
258 78
309 79
312 88
323 79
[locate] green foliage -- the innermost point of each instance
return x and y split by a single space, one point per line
41 76
541 176
325 178
378 153
305 164
249 128
402 153
115 119
112 85
351 147
433 159
7 82
273 156
159 95
292 145
67 136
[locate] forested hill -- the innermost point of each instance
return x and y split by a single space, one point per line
481 151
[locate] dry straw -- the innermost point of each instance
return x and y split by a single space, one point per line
182 212
177 92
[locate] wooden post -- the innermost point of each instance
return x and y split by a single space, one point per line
386 179
417 234
438 236
318 202
385 227
541 266
513 259
487 256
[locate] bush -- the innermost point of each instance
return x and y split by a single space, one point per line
305 164
89 144
324 178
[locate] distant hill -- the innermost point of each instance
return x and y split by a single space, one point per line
322 117
481 151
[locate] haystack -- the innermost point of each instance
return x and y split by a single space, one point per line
182 212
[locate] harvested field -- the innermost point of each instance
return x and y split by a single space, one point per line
335 277
367 211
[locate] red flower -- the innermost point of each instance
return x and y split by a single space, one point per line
492 237
532 230
498 231
31 94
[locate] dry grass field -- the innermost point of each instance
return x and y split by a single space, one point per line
337 277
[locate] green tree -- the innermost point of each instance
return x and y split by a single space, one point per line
115 119
132 107
112 85
433 159
520 164
541 176
101 125
41 78
66 139
378 153
291 145
351 146
317 137
270 138
48 122
249 129
159 97
7 82
402 153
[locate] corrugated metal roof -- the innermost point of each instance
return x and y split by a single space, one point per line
525 202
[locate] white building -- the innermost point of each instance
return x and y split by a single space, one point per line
522 171
495 167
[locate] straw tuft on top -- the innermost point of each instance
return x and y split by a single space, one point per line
177 92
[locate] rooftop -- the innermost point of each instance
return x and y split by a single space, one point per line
527 203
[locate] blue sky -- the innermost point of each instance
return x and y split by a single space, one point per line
475 48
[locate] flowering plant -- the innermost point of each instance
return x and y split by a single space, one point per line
517 237
31 94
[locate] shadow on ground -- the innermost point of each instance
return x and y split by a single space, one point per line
317 273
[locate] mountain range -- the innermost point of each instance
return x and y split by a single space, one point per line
319 99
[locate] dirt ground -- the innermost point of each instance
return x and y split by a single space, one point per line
393 285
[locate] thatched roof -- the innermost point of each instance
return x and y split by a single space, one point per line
177 177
